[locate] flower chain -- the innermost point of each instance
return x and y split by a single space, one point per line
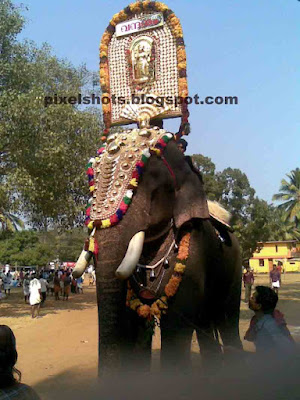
160 306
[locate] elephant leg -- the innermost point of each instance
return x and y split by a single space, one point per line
210 349
136 344
175 345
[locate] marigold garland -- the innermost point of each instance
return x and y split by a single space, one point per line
160 306
176 30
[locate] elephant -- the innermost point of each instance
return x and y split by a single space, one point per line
169 201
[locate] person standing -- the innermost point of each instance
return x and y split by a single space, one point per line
67 286
35 296
248 279
44 285
21 276
275 279
79 284
73 285
7 282
26 283
56 282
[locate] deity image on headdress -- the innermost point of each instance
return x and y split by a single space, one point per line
141 58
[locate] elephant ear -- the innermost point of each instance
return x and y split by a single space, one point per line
190 199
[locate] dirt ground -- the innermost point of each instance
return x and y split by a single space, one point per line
61 346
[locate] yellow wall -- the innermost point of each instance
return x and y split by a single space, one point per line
268 251
286 266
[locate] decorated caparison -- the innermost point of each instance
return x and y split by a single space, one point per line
158 245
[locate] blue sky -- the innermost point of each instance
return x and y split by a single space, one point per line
248 49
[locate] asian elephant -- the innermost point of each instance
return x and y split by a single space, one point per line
168 202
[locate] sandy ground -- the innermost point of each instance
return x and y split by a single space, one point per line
61 346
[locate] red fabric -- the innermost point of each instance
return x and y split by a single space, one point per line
114 219
135 175
123 207
162 142
170 170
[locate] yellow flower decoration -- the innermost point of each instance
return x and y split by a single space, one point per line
91 225
106 108
179 268
181 65
106 223
177 32
145 4
162 303
103 53
183 88
136 7
103 72
135 304
103 47
103 82
160 306
115 20
144 311
92 188
156 151
133 182
161 7
181 55
106 38
154 310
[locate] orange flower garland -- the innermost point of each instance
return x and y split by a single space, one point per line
160 306
176 30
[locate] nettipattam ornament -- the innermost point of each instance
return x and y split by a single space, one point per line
142 52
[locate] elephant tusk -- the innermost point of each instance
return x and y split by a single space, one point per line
132 256
82 263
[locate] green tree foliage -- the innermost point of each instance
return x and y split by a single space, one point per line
39 248
24 248
253 219
290 196
213 187
43 150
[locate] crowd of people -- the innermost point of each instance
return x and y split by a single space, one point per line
37 285
248 280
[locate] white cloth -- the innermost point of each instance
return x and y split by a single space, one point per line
44 285
276 284
7 282
34 288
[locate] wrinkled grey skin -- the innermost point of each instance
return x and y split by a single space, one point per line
209 294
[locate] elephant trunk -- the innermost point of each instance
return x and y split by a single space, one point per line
111 296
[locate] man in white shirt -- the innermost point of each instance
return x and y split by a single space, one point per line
35 296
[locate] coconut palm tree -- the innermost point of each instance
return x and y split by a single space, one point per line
290 196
